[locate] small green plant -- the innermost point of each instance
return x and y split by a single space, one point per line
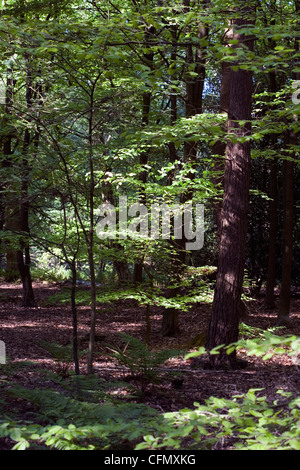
246 422
248 332
62 355
143 364
84 421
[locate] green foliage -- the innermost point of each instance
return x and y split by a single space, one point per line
145 295
248 331
86 66
74 419
74 424
59 352
62 354
259 343
246 422
143 363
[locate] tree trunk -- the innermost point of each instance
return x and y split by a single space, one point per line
219 147
11 203
90 243
24 270
146 105
122 268
138 266
194 92
288 210
269 301
23 255
224 324
288 226
170 320
74 318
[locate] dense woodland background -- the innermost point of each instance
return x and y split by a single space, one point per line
161 102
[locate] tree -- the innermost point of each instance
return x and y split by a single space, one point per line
288 205
223 328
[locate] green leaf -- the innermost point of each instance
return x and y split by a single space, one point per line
295 444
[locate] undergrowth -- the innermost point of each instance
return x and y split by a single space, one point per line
81 413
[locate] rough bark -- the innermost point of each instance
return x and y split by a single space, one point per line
219 147
224 324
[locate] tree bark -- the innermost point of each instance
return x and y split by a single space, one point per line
193 106
11 202
90 237
269 301
23 254
146 106
219 147
224 324
74 318
288 227
288 208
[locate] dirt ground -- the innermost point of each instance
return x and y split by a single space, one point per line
22 328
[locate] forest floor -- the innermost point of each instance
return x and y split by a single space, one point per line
21 329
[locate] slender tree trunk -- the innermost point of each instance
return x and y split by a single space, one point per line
74 319
23 254
72 266
93 290
194 92
11 202
224 324
288 227
170 319
269 301
288 210
146 105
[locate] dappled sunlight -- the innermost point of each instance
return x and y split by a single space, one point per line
177 382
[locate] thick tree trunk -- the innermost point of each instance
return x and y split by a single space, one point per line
219 147
122 268
24 270
170 321
224 324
